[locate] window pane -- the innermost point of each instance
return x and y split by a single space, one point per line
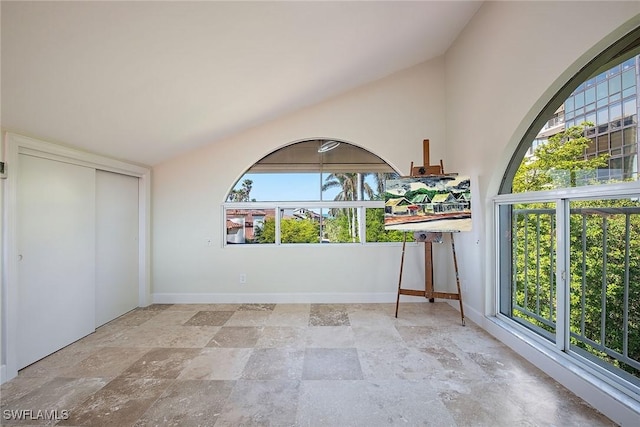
630 107
579 97
614 85
376 231
602 90
569 104
630 167
629 92
527 282
589 107
630 136
629 78
616 139
341 225
269 187
301 172
590 95
250 226
603 143
613 70
602 315
299 225
354 186
603 116
630 149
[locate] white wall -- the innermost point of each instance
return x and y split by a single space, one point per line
389 117
487 89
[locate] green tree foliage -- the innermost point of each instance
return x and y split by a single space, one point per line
337 230
267 232
604 257
376 231
558 163
291 231
353 186
605 275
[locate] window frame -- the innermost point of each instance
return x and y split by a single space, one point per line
626 48
362 203
560 350
561 345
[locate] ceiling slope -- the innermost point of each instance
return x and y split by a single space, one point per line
145 81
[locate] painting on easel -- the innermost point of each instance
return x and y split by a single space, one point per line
435 203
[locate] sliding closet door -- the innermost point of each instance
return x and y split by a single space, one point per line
116 245
56 253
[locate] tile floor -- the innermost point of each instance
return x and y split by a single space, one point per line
291 365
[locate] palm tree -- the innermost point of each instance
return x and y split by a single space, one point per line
241 194
379 178
352 187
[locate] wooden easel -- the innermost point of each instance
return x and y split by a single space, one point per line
429 292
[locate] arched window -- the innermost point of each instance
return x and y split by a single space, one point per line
313 191
569 220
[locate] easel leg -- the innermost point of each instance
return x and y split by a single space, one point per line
428 270
404 244
455 264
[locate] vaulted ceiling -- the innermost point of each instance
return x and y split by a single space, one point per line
145 81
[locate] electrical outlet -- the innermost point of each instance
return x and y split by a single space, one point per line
243 278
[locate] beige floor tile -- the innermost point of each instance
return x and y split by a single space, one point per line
189 403
282 336
217 364
262 403
330 336
293 365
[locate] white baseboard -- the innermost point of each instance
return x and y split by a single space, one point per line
280 298
3 374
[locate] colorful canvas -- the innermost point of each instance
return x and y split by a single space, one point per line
436 203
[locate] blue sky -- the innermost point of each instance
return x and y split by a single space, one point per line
268 187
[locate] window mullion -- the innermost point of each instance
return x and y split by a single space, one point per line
563 275
278 240
363 224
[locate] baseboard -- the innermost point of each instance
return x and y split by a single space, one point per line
276 298
3 374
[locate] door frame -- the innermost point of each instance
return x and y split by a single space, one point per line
15 145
